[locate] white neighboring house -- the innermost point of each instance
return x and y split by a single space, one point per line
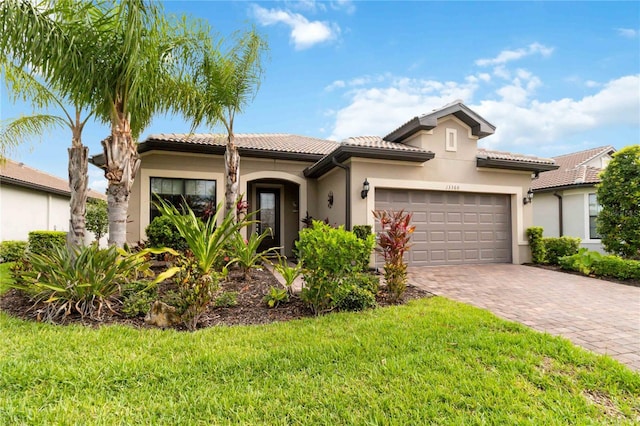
32 200
565 199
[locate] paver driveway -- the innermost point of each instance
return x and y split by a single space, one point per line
598 315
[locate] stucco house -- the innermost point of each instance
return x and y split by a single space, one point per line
565 199
467 202
32 200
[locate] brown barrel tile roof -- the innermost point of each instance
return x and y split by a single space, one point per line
277 142
510 156
378 142
573 169
20 174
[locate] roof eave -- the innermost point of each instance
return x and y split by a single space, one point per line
344 152
31 185
492 163
563 187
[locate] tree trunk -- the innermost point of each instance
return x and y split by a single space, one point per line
78 182
231 175
121 165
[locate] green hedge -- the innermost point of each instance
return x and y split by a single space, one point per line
538 252
41 242
593 263
11 250
556 248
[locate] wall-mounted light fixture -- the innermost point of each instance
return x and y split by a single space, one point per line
330 199
527 199
365 189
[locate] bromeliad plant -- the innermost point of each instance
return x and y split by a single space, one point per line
83 280
393 243
246 253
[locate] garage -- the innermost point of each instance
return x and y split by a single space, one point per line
453 227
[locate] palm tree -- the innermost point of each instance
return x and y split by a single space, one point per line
23 85
221 88
124 64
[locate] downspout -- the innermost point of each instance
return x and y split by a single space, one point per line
347 169
559 213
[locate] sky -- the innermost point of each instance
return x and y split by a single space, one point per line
553 77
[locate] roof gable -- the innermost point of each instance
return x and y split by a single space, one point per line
478 125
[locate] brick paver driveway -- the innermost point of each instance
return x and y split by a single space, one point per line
598 315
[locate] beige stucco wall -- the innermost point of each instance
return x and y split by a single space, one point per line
448 171
201 166
575 215
333 181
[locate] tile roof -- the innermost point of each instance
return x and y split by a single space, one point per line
573 169
378 142
510 156
22 175
278 142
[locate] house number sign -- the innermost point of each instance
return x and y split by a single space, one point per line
453 187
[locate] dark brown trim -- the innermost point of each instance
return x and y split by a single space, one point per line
515 165
344 152
563 187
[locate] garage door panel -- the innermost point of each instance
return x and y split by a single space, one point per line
453 228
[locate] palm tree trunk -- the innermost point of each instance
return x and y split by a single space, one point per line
232 174
78 182
121 165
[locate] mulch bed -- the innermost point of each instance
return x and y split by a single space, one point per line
634 283
250 309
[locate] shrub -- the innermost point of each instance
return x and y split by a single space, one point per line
538 251
327 254
616 267
393 242
357 292
362 231
289 273
11 251
41 242
161 232
226 299
558 247
137 298
84 280
96 217
583 261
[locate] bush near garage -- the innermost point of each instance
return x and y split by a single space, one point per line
557 247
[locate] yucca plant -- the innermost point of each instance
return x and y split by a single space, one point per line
82 280
246 253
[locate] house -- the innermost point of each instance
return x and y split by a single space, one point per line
565 199
467 202
31 200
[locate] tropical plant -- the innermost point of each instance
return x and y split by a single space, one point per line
275 296
618 193
123 58
219 90
289 273
137 297
84 280
226 299
393 243
247 254
97 219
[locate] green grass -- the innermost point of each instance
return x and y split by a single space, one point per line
5 276
433 360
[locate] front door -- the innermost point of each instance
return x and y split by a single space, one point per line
269 216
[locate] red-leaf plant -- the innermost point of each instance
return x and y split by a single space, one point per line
393 243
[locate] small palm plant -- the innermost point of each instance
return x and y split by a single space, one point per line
246 253
198 279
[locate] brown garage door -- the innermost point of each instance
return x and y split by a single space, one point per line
453 227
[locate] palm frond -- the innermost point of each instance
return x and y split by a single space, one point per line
22 129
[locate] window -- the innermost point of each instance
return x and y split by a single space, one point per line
594 210
451 143
199 194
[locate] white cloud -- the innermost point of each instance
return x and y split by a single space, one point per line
548 123
627 32
304 33
345 5
512 55
591 83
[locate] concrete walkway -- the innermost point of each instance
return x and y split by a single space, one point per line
598 315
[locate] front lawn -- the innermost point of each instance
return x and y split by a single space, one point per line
432 360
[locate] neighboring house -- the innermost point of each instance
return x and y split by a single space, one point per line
565 199
31 200
467 202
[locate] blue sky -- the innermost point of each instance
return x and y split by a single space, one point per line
553 77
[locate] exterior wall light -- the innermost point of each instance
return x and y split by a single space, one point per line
330 199
526 200
365 189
